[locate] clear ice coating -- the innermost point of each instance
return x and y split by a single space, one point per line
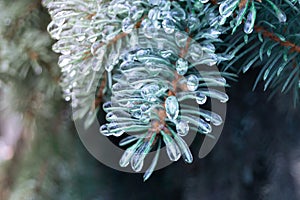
280 15
196 52
204 126
192 82
184 148
125 159
127 25
227 7
181 39
154 2
104 130
137 160
201 98
148 92
172 148
249 24
182 66
168 25
172 107
182 128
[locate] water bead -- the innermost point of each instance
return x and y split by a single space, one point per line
204 126
136 114
137 160
281 15
154 2
154 13
107 105
227 7
216 119
168 25
112 128
54 30
201 98
196 52
249 24
184 148
125 159
148 92
127 25
109 67
182 128
149 30
104 130
192 82
145 108
172 107
193 23
157 24
181 39
178 14
182 66
172 149
111 116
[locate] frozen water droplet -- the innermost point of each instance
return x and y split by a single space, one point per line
193 23
148 92
185 151
172 107
136 114
172 148
145 108
227 7
54 30
178 14
124 161
154 2
196 52
249 24
168 25
281 15
113 129
204 126
137 160
154 14
127 25
149 30
192 82
201 98
104 130
111 116
181 39
107 105
182 66
109 67
216 119
182 128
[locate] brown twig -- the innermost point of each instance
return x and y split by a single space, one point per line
272 36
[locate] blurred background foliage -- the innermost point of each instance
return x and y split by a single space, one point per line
41 157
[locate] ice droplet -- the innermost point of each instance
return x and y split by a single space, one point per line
201 98
182 66
192 82
172 107
168 25
227 7
148 92
182 128
127 25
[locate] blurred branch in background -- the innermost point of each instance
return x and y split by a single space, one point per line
33 117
